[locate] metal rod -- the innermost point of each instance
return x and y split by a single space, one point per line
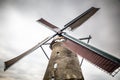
81 62
46 44
88 38
87 43
44 52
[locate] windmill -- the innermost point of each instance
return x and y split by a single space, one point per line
99 58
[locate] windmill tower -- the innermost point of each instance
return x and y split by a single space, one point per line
64 64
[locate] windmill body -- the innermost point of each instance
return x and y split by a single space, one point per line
63 63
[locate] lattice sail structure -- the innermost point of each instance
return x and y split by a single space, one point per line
101 59
96 56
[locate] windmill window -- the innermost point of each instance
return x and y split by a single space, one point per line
55 65
52 78
58 53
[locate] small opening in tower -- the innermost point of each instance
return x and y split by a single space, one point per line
53 78
55 65
58 53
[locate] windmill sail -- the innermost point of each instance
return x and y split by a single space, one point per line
82 18
49 25
100 58
9 63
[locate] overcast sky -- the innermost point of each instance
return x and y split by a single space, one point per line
19 31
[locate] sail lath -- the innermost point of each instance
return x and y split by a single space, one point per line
81 18
48 25
98 57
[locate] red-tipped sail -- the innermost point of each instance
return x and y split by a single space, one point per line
98 57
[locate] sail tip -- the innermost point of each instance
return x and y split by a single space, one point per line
5 67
